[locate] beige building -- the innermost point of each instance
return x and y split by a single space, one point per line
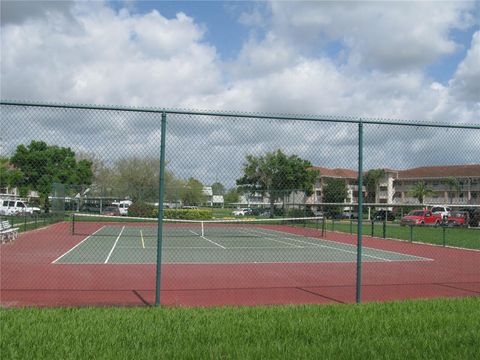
397 185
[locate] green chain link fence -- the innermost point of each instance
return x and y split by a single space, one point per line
152 206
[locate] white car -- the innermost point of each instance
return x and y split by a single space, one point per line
242 212
444 211
16 207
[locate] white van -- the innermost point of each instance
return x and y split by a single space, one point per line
16 207
123 207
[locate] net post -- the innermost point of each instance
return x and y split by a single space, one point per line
385 227
161 186
360 212
73 224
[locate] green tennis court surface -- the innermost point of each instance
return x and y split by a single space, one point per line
125 244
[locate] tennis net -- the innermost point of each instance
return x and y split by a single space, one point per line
102 225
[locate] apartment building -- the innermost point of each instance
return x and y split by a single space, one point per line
351 182
453 184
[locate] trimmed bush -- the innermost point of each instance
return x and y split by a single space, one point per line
140 209
187 214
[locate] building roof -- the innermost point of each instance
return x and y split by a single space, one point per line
440 172
340 173
414 173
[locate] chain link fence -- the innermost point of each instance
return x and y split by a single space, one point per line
125 206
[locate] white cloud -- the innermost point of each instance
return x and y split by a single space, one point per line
109 57
466 81
381 35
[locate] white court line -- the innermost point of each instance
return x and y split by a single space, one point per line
272 239
214 248
203 237
88 237
336 248
115 244
332 247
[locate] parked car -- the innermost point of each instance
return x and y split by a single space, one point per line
380 215
111 211
443 211
457 218
421 217
242 212
349 214
16 207
473 216
256 211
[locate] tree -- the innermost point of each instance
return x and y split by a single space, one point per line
193 193
334 191
453 186
421 191
137 178
231 196
372 179
9 176
40 165
276 174
218 188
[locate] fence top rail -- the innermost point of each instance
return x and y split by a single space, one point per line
318 118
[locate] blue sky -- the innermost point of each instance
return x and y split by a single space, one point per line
225 31
220 18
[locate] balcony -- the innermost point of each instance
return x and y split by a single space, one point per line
382 194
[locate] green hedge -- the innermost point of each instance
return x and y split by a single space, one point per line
140 209
147 210
187 214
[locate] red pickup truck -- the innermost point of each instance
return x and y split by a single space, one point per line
421 217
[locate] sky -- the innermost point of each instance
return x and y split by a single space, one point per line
403 60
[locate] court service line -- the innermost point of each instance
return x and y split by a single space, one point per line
272 239
143 242
203 237
331 247
88 237
114 245
336 248
365 247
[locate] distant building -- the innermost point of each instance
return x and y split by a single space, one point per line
397 185
212 200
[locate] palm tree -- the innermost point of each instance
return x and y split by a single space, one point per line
372 179
421 190
453 186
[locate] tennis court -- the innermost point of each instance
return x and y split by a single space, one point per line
213 242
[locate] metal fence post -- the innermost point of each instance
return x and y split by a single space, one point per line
160 208
360 211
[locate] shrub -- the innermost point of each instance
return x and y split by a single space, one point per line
187 214
140 209
299 213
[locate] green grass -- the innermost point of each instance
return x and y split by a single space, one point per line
454 236
443 329
27 223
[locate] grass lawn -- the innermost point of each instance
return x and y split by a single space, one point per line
444 328
454 236
27 223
